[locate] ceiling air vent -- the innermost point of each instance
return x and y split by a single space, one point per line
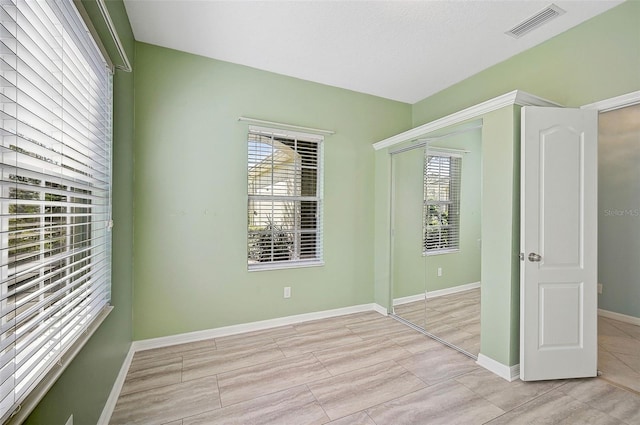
537 20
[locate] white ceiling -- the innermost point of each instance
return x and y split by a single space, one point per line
401 50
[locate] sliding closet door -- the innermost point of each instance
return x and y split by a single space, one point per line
453 238
407 260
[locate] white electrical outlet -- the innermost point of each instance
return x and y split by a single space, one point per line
70 420
287 291
439 271
599 288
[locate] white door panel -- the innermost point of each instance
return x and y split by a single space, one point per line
559 242
561 184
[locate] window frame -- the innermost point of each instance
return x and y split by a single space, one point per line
318 258
453 201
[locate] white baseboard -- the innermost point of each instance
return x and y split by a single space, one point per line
380 309
437 293
619 317
107 410
184 338
453 290
510 373
409 299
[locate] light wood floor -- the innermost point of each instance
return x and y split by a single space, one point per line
454 318
619 352
362 369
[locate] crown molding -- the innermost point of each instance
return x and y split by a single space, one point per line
615 102
516 97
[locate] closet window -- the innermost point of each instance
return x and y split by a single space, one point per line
441 210
284 214
55 186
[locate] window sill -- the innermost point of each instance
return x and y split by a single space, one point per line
31 401
441 252
258 267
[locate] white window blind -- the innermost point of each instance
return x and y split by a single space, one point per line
441 209
284 213
55 162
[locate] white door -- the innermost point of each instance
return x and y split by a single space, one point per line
558 233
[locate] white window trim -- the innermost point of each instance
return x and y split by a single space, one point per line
304 136
440 252
450 153
283 265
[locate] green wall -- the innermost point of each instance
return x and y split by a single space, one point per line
408 261
191 192
382 290
500 235
83 388
619 210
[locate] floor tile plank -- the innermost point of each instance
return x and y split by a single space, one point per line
504 394
447 403
413 341
359 389
228 359
255 381
292 406
376 328
335 322
165 371
555 408
438 364
168 403
358 418
607 398
308 342
355 356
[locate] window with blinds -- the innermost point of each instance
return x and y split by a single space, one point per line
441 211
284 214
55 118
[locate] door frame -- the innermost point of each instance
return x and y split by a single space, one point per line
606 105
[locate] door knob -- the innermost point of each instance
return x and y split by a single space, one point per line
534 258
